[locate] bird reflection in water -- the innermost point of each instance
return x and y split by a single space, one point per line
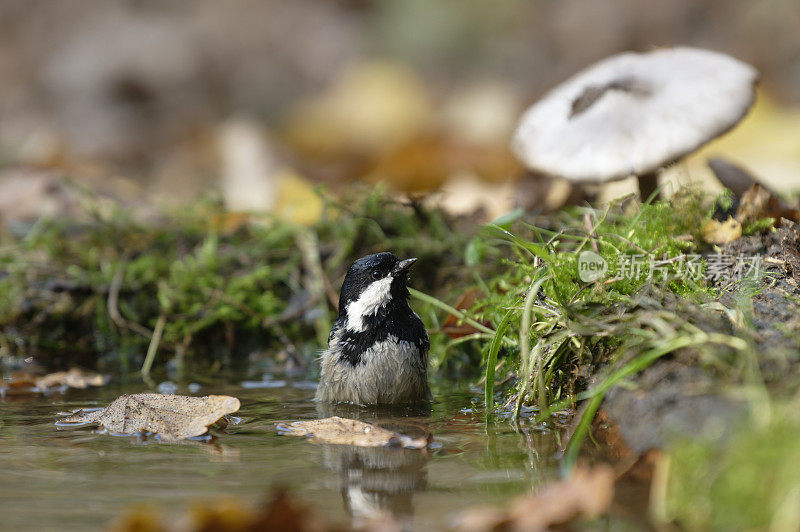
379 483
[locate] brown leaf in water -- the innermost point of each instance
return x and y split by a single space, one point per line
587 493
138 519
29 384
74 378
716 232
281 512
342 431
18 384
285 513
172 417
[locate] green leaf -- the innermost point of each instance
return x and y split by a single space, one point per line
491 359
505 220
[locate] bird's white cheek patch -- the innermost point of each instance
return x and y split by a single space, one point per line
369 302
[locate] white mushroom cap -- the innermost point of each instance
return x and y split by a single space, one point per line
633 113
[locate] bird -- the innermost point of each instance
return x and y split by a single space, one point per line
378 347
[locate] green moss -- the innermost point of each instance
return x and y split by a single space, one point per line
759 226
89 290
607 329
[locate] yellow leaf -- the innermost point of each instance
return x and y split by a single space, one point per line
297 200
372 106
716 232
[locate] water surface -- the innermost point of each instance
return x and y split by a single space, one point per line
77 479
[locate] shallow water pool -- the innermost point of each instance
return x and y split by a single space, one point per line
77 479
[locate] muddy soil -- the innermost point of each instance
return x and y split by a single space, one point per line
680 396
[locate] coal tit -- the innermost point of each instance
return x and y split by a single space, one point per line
378 347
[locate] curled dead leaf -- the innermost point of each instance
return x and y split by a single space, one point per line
18 384
28 384
716 232
755 204
342 431
587 493
759 202
74 378
280 512
171 417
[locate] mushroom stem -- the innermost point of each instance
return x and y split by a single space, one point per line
648 183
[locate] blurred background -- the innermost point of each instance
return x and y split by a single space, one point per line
154 103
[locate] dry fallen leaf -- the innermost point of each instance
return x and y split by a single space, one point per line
28 384
74 378
342 431
18 384
171 417
281 512
758 203
27 195
138 519
451 325
754 204
587 493
716 232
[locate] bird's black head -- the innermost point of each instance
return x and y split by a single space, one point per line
374 282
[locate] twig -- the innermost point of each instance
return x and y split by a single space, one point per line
587 221
308 245
113 296
631 244
153 347
113 304
593 230
333 297
291 349
273 324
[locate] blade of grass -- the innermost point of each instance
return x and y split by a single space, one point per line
535 250
491 360
450 310
525 366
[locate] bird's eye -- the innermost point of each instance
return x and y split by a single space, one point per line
376 274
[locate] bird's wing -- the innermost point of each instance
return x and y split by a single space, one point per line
423 341
337 326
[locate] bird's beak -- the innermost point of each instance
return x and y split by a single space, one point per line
403 266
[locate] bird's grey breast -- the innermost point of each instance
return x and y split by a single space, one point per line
390 370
